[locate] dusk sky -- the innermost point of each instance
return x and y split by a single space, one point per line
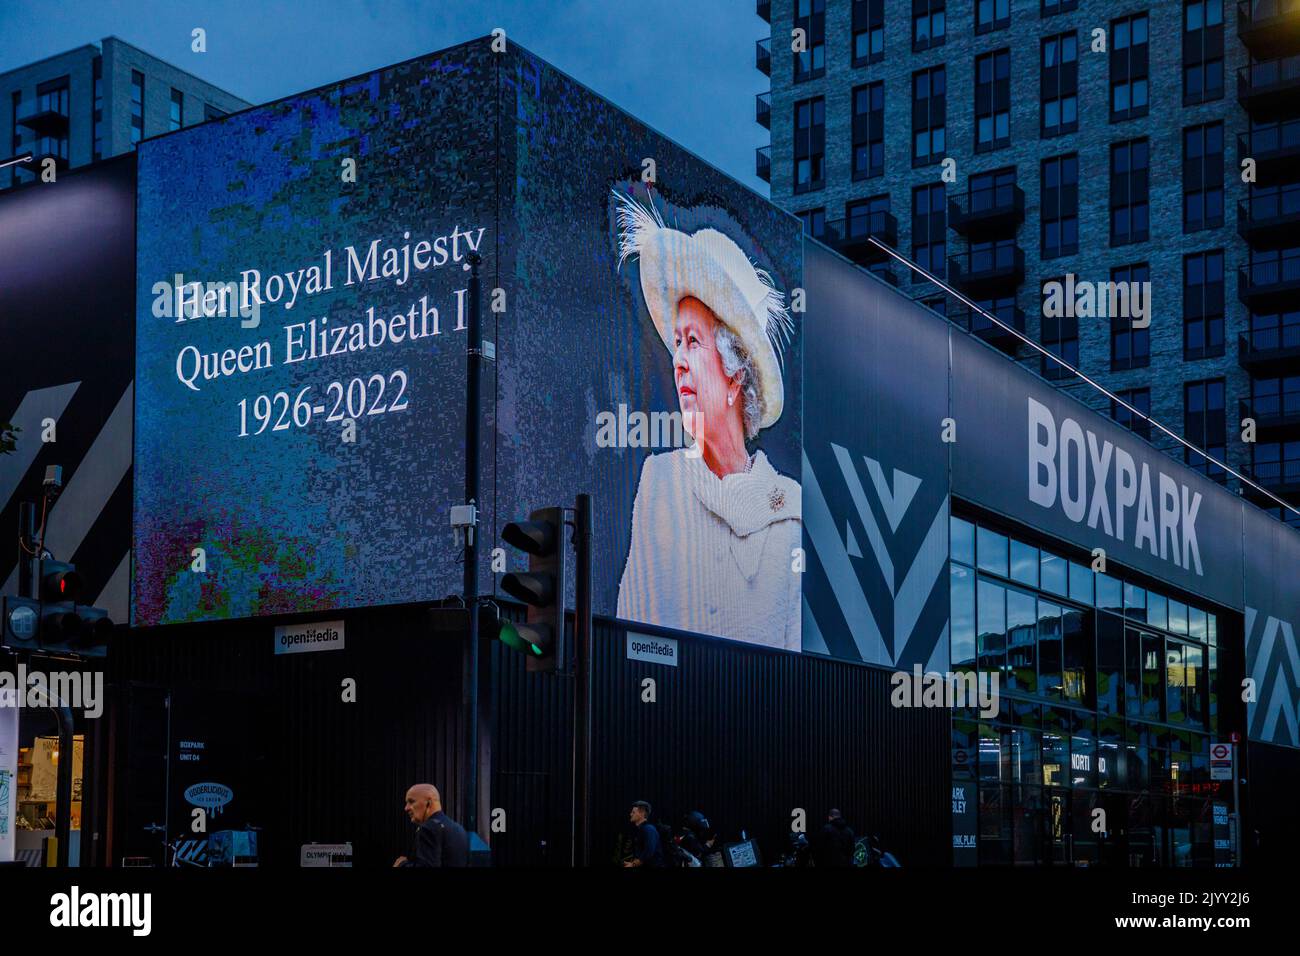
686 67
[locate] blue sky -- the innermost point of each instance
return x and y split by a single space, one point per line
686 67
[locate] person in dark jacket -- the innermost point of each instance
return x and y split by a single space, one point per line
834 845
646 850
440 840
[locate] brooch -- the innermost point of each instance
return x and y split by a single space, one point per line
776 499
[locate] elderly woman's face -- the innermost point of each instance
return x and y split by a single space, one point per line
702 384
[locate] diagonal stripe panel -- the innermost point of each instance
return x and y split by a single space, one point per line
36 406
843 580
92 484
864 513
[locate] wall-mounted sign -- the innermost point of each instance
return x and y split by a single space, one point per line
654 650
306 638
1220 761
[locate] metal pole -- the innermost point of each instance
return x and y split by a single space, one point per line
27 539
63 786
1236 804
582 683
469 696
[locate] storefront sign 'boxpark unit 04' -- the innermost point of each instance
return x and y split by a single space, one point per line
303 453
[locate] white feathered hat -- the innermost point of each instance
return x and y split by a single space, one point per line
708 266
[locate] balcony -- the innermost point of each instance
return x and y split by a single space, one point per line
764 10
763 163
763 56
849 236
1269 28
763 110
1268 218
983 213
1269 351
1268 90
1268 286
46 116
1275 150
984 273
1280 477
1277 417
979 326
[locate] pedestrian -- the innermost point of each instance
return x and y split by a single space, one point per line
834 844
440 840
646 850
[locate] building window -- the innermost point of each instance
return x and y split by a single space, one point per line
1129 347
927 24
809 144
1203 305
1275 330
177 110
1060 336
1128 67
929 114
992 100
814 222
1129 192
929 229
1058 85
865 217
1202 51
868 31
810 16
1275 462
1203 177
1205 426
137 107
52 96
869 131
1059 195
1051 7
992 15
16 144
1275 396
1140 399
98 128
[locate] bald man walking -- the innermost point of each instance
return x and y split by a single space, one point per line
440 840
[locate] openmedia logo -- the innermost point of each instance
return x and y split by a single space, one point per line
654 647
312 635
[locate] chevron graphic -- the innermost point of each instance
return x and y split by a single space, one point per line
1274 715
909 579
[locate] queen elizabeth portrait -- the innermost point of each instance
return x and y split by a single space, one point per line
715 528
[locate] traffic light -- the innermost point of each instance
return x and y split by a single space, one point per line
20 619
542 588
54 622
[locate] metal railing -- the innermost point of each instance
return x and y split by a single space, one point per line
1072 370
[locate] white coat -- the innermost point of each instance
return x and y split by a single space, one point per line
715 556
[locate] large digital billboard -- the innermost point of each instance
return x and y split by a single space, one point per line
302 297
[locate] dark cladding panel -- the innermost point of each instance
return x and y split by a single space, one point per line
66 312
746 735
1038 456
1272 619
875 470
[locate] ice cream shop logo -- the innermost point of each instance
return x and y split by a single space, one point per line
210 796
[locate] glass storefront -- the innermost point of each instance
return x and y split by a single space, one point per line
1108 703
